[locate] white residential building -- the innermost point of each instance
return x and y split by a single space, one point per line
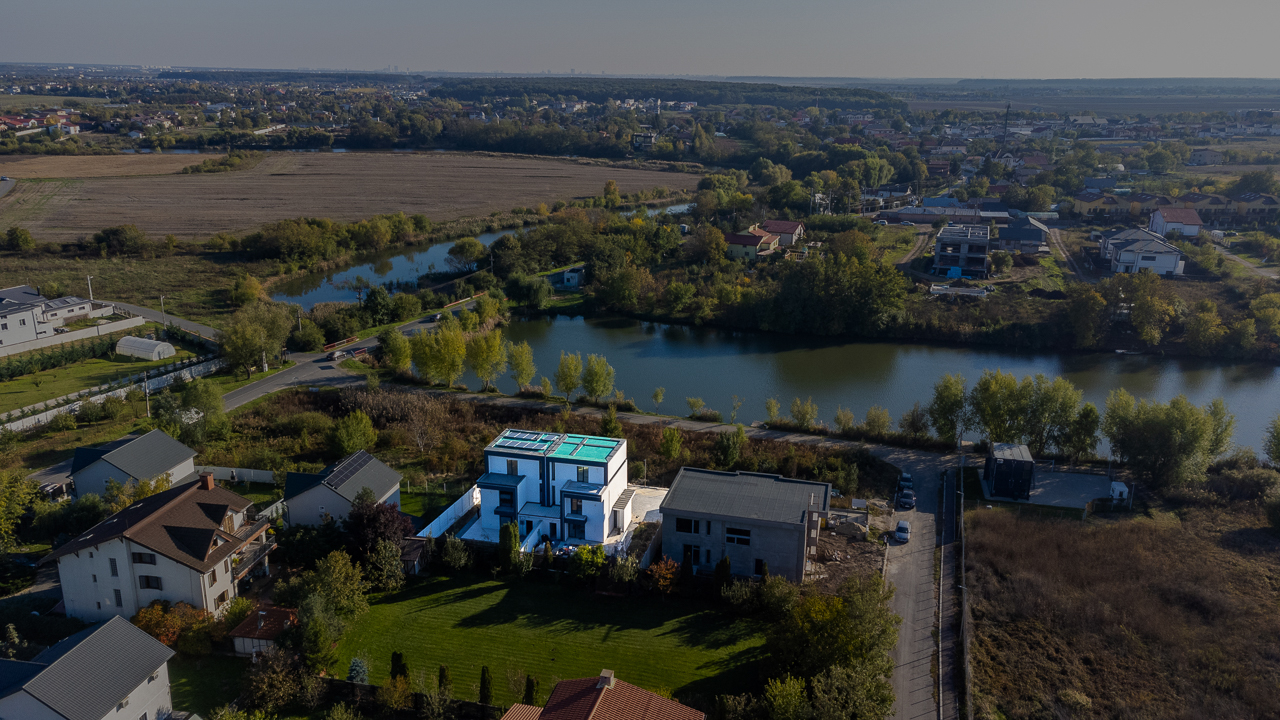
25 314
188 544
1130 251
555 487
111 671
310 498
131 459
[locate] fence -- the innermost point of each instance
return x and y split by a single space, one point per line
242 474
453 513
73 405
72 336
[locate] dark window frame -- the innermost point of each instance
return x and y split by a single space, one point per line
737 536
150 582
144 558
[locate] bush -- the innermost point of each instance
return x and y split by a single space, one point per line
61 422
455 553
1273 513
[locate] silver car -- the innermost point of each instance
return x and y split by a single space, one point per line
903 533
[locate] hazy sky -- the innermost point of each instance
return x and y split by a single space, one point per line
868 38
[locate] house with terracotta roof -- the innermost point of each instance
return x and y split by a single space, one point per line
260 630
789 232
1184 221
603 698
751 244
188 544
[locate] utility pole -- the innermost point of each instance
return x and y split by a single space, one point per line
89 278
146 389
299 318
163 317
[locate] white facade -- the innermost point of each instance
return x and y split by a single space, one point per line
151 700
1161 226
312 506
91 592
1160 263
93 479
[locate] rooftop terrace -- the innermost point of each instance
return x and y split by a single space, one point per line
557 446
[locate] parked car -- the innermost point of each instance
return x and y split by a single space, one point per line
882 222
907 499
337 354
903 533
905 482
907 223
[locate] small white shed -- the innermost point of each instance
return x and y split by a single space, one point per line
144 348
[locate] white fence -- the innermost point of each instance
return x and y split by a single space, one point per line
242 474
155 383
72 336
453 513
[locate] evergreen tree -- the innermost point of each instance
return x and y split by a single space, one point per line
486 686
530 691
444 683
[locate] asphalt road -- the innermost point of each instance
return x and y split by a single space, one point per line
156 315
6 186
910 569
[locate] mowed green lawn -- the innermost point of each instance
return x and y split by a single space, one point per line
21 392
554 632
200 685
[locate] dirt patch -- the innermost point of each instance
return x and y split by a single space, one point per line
844 552
44 167
340 186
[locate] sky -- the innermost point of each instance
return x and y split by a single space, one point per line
831 38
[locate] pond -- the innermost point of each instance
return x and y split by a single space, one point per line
715 365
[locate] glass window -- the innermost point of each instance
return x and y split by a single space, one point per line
144 558
737 536
575 506
506 499
577 531
115 571
221 600
684 525
513 467
759 566
149 582
583 474
119 598
213 577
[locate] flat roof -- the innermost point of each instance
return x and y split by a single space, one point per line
591 448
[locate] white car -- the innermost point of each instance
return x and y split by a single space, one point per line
882 222
907 223
903 533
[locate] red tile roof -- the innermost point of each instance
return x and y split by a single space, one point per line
522 712
781 227
1183 216
274 621
584 699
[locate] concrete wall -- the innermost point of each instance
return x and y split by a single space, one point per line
60 338
452 514
310 507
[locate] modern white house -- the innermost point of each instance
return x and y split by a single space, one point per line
111 671
555 487
1130 251
310 498
753 519
25 314
188 544
130 459
1184 221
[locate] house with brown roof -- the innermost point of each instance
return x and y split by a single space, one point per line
603 698
1093 203
188 544
751 244
1255 206
789 232
260 630
1183 221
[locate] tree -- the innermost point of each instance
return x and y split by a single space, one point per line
352 433
597 377
370 523
723 573
1151 311
1271 441
246 290
845 420
1164 444
997 406
914 422
707 245
386 572
395 694
19 239
336 580
878 422
308 338
243 344
465 253
1204 329
1084 313
804 414
405 306
855 628
1083 436
396 352
358 671
444 682
1263 182
670 447
658 395
486 686
273 681
520 356
530 691
664 573
398 666
611 197
487 357
679 294
785 699
772 409
16 494
1001 261
509 547
441 355
455 553
609 424
569 373
841 693
947 411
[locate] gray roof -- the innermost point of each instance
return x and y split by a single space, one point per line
21 294
1011 451
750 496
346 477
85 676
143 457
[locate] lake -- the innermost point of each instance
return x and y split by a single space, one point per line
717 364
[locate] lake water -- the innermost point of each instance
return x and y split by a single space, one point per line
716 364
392 266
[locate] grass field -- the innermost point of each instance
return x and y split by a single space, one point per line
200 685
23 391
25 101
341 186
48 167
553 632
428 505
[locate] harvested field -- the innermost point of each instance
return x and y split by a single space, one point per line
1167 616
44 167
341 186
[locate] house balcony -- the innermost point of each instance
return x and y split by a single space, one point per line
252 556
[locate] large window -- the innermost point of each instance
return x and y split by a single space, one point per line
513 467
149 582
213 577
506 499
220 600
577 531
583 474
575 506
119 598
115 570
737 536
144 558
686 525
